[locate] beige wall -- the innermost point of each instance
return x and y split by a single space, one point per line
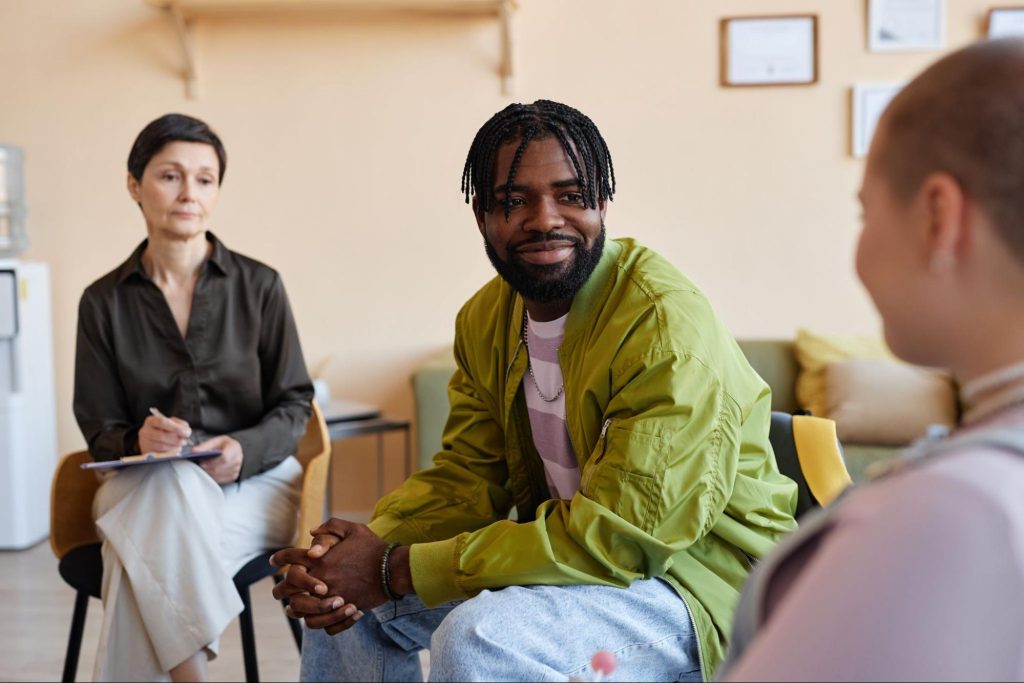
347 135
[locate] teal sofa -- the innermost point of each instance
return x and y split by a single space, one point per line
774 360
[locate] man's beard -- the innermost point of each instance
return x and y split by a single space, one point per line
552 282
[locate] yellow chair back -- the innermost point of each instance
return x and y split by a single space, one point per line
821 461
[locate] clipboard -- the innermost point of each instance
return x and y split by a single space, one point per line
148 459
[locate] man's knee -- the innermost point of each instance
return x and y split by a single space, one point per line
479 625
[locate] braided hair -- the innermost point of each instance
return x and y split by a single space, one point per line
527 122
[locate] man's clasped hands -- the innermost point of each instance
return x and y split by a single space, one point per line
331 584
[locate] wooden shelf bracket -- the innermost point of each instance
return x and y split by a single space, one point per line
505 17
184 14
183 27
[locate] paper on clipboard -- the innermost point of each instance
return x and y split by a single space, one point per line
148 459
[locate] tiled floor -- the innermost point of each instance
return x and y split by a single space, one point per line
35 615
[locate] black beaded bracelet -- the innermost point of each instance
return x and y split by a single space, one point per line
385 573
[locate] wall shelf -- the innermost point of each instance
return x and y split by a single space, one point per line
185 13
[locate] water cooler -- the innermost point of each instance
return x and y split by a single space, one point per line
28 429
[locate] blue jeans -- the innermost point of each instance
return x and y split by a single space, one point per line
520 633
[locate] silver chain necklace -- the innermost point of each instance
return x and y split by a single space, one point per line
529 367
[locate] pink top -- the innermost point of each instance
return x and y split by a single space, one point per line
547 417
919 576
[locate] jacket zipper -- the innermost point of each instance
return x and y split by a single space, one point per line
604 446
689 613
696 637
512 360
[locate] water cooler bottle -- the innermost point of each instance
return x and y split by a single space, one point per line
28 430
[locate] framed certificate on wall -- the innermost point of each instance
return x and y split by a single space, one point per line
869 101
1004 22
769 50
906 25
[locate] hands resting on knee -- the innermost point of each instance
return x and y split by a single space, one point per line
343 560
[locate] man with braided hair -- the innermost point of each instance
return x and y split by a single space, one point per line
599 398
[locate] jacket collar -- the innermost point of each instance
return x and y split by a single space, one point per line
593 294
584 305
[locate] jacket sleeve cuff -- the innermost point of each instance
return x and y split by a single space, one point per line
433 571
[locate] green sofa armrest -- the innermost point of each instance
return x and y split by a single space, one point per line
775 361
430 391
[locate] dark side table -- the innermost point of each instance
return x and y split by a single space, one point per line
346 419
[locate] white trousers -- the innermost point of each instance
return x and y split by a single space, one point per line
172 541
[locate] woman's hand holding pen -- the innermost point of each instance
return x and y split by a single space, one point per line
162 434
171 434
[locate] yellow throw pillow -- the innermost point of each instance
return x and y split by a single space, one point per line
889 402
815 351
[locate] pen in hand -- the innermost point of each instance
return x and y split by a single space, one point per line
189 442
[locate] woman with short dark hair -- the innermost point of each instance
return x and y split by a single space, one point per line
185 345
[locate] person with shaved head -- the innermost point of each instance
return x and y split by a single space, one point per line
919 575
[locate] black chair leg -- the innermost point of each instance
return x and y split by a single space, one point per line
252 674
292 623
296 633
75 637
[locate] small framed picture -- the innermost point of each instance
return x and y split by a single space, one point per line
906 25
769 50
869 100
1004 22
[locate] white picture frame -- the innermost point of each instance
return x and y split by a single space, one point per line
906 25
769 50
1004 22
868 101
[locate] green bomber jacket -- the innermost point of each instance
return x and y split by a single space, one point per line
669 424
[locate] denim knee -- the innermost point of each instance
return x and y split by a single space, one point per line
465 639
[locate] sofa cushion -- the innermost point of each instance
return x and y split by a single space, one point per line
815 351
880 401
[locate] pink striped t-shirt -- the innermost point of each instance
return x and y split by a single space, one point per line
547 417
